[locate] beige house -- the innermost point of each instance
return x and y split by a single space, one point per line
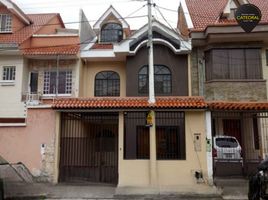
104 133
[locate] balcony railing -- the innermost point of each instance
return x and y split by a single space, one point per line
33 99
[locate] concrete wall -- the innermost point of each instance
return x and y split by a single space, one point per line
11 105
92 68
170 173
23 144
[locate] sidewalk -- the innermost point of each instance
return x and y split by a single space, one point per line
231 189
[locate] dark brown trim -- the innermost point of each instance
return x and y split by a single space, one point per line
12 120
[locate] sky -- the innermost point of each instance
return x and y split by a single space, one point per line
93 9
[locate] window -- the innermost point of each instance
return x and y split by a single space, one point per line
111 32
64 82
233 64
5 23
34 82
9 73
170 136
162 80
107 83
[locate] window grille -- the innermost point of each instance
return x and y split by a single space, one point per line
9 73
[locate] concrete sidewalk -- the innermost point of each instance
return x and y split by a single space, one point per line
231 189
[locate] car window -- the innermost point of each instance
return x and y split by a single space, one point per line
226 142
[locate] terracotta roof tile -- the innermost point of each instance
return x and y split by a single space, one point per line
102 46
207 12
129 102
23 34
221 105
62 50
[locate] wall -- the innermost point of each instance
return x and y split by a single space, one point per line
236 90
90 70
162 56
11 105
23 144
169 173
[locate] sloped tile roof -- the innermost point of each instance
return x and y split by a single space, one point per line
102 46
207 12
62 50
252 106
39 20
130 102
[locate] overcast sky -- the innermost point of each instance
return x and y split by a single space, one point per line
69 10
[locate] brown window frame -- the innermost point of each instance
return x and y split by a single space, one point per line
233 64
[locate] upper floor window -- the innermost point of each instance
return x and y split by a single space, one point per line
233 64
5 23
9 73
64 82
162 80
111 32
107 83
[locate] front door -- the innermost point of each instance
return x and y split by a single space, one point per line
89 147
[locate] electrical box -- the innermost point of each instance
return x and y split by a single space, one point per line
197 141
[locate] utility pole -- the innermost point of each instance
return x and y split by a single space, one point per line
151 55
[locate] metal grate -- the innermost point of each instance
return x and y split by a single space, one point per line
89 147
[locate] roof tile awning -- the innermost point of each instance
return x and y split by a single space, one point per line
130 103
56 50
251 106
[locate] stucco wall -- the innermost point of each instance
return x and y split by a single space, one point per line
92 68
169 173
11 105
23 144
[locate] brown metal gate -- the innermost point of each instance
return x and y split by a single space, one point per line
89 147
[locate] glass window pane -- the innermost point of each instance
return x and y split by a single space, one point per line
107 83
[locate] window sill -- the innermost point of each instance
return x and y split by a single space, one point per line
7 83
235 80
51 96
12 124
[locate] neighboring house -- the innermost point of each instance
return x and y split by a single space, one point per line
229 68
103 135
35 49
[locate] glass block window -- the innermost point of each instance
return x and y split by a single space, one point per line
64 82
9 73
5 23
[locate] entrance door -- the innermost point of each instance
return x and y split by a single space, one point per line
89 147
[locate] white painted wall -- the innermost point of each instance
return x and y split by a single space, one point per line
11 105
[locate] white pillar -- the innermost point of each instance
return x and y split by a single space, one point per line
153 165
209 147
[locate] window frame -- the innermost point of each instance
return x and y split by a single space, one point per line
111 35
7 23
68 83
227 67
163 78
11 75
114 83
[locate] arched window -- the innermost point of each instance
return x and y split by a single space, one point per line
107 83
111 32
162 80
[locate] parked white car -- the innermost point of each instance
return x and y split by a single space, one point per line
226 147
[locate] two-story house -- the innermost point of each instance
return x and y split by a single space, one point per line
38 62
229 68
104 135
